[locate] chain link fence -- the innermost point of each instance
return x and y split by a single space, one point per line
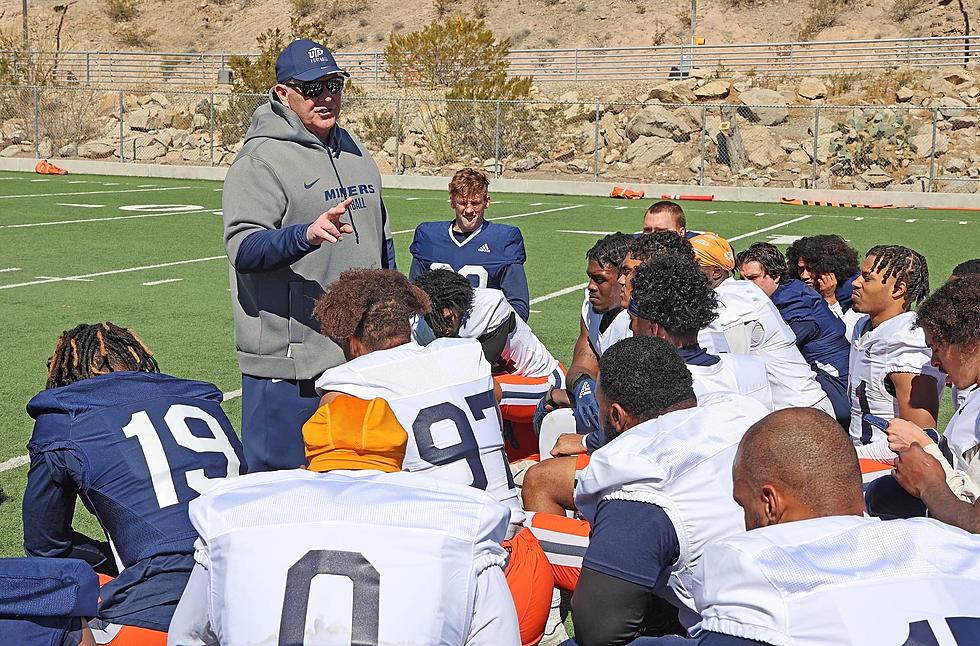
904 147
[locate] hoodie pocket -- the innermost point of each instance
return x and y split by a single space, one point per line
300 311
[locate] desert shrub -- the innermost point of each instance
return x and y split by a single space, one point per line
822 14
904 9
341 8
132 35
303 8
870 138
121 10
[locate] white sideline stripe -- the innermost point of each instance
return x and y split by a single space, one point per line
78 181
622 208
128 190
82 206
911 220
710 212
575 288
4 271
508 217
858 219
411 199
40 180
105 219
161 282
22 460
114 271
963 222
594 233
145 185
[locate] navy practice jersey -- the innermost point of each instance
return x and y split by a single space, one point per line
492 256
43 602
136 447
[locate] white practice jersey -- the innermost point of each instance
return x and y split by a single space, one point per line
345 557
682 462
442 395
601 340
962 434
846 581
897 345
734 373
959 397
749 323
523 353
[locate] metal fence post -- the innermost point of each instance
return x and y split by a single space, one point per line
88 68
122 127
816 142
932 153
496 151
398 135
37 122
704 135
576 64
595 153
211 126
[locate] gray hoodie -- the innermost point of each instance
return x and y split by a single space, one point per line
286 176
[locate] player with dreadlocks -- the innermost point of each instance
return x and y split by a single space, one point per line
136 446
447 383
890 364
523 368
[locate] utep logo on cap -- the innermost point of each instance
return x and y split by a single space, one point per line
315 54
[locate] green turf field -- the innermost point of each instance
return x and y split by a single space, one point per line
148 254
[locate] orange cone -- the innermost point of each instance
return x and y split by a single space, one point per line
44 167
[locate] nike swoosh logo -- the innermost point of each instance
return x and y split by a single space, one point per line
310 185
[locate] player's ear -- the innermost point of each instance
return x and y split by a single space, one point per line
486 202
899 290
772 508
618 418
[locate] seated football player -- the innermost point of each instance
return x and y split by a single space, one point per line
819 334
135 446
522 366
666 216
489 254
828 266
813 569
948 482
966 268
749 323
891 374
404 558
654 495
443 393
604 322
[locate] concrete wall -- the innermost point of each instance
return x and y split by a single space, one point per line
507 185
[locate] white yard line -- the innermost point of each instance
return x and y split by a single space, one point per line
508 217
82 206
128 190
8 269
162 282
23 460
105 219
114 271
593 233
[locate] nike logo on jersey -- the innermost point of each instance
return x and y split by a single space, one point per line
485 248
310 185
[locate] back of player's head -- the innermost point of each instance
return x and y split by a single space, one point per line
905 266
672 209
659 243
804 455
951 315
446 290
966 268
352 433
769 258
89 350
645 376
374 305
610 250
468 182
823 254
673 293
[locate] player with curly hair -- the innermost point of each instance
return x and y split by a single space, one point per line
828 265
136 446
643 248
445 384
820 335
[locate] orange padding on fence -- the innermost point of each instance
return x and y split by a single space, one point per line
795 201
690 198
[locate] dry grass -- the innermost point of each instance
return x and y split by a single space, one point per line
121 10
823 14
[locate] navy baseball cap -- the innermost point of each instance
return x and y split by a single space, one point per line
305 60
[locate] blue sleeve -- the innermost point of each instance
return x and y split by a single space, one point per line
48 507
416 269
633 541
513 283
273 249
593 441
805 331
388 254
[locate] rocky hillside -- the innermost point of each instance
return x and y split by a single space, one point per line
361 25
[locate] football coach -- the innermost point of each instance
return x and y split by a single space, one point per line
300 181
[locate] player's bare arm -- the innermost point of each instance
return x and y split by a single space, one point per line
918 398
584 359
922 476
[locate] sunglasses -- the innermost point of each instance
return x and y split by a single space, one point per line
314 89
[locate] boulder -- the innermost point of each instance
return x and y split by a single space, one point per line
647 151
761 146
200 121
390 146
971 92
799 157
71 150
717 89
938 86
108 104
904 95
960 122
767 116
657 121
694 165
182 120
528 163
146 119
150 149
922 144
10 151
578 166
98 149
671 92
950 106
45 148
159 99
954 165
958 78
562 154
875 177
812 89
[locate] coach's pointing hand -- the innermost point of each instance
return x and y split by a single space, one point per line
328 227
